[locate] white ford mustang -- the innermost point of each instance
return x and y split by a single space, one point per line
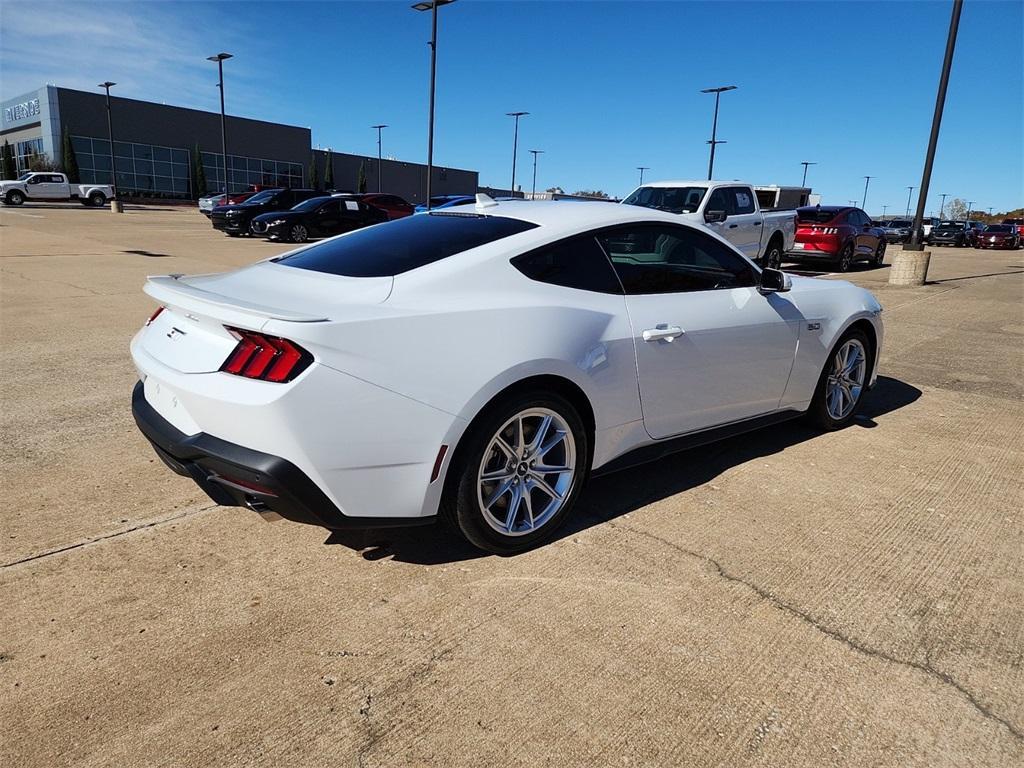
481 362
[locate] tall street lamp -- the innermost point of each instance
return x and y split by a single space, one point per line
642 168
933 139
990 210
970 207
379 129
910 193
432 6
942 205
535 152
805 164
714 125
515 144
110 135
220 58
864 202
883 210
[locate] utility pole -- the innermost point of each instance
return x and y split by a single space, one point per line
379 128
803 183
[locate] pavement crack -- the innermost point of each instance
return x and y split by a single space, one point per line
852 643
105 537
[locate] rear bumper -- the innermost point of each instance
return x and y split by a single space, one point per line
235 476
811 253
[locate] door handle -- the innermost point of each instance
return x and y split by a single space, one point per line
662 332
757 223
733 226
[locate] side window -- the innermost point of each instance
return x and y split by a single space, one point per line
720 201
329 208
575 263
742 199
652 258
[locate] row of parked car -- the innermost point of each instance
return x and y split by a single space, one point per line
958 232
296 215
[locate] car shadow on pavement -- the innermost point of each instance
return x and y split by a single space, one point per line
608 497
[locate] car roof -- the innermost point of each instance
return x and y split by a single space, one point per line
691 183
583 214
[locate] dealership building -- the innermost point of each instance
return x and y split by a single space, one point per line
155 146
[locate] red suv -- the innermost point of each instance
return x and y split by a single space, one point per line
839 234
394 206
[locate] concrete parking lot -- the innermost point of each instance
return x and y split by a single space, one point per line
786 598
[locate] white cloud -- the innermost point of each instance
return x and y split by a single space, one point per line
153 51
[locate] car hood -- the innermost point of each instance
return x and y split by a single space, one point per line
275 215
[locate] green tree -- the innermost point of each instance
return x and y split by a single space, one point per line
314 175
198 174
70 161
10 170
361 179
329 170
591 193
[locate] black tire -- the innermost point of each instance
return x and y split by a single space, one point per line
233 234
298 233
97 199
845 258
879 258
461 505
819 413
773 254
15 197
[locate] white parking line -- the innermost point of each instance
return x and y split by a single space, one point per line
30 215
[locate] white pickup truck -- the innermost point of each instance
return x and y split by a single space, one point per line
727 208
47 186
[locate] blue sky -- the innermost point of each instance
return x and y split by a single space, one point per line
610 86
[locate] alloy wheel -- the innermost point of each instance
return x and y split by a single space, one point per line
527 472
299 233
846 379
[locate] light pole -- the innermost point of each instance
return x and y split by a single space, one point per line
942 205
219 58
970 203
515 144
852 202
432 6
864 203
933 139
805 164
714 125
642 168
379 129
910 194
990 210
110 135
883 210
535 152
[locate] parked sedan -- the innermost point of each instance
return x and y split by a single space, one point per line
208 203
317 217
234 220
998 236
957 233
838 234
899 230
480 367
393 205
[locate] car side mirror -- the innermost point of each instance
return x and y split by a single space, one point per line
713 217
775 281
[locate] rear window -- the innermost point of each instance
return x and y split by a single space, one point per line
815 215
998 228
398 246
896 224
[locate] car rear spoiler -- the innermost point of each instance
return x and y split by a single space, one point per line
170 289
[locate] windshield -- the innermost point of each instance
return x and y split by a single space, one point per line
951 225
262 197
24 176
997 228
671 199
310 205
897 224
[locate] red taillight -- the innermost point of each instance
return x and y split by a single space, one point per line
267 358
155 315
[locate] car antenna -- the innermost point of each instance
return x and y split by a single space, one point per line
485 201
